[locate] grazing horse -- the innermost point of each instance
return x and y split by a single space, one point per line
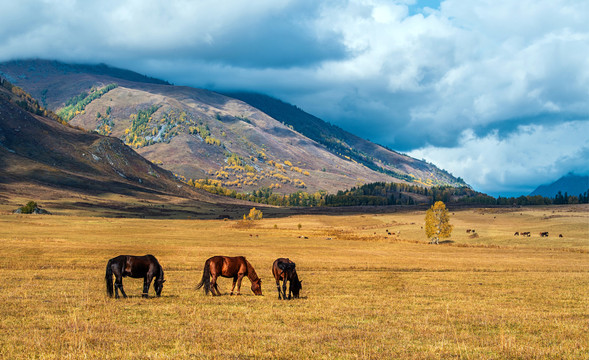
285 270
544 234
229 267
146 267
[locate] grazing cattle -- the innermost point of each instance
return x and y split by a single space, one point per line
544 234
525 233
468 231
516 233
285 270
229 267
560 235
146 267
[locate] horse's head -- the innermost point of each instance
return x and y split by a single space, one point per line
296 287
159 285
257 287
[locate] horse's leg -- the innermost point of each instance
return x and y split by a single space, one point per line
284 287
146 282
234 281
278 287
214 288
239 278
119 286
289 288
116 289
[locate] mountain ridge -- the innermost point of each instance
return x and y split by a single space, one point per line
372 155
571 184
199 134
70 168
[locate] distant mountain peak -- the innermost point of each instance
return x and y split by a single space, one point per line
571 184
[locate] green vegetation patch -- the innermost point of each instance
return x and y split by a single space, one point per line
78 103
146 130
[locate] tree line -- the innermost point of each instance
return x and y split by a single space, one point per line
383 194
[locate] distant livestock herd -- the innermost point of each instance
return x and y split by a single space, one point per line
528 234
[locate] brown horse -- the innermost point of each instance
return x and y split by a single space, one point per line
229 267
285 270
146 267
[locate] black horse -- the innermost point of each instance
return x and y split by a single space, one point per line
285 270
146 267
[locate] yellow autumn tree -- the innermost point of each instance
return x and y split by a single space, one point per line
254 214
437 222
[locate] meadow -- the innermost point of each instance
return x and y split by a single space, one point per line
366 294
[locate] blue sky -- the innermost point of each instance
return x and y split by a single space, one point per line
495 91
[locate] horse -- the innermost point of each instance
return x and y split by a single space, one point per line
229 267
146 267
285 270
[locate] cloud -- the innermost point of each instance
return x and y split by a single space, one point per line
511 165
409 74
236 33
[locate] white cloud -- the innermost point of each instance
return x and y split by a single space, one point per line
396 72
535 154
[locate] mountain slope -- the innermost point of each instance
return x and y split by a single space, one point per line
40 157
199 134
344 143
571 184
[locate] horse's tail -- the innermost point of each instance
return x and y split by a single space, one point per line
108 279
206 278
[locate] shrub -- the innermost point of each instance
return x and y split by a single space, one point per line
29 207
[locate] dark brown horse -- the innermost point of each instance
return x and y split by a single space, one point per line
229 267
285 270
146 267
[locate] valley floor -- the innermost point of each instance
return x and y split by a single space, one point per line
366 294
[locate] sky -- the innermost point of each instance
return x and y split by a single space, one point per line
494 91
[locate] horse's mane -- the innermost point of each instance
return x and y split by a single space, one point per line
160 276
251 273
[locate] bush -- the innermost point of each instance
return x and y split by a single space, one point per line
29 207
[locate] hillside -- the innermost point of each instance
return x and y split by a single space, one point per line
41 158
206 136
571 184
346 144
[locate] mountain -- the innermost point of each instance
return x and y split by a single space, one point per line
215 139
571 184
345 144
41 158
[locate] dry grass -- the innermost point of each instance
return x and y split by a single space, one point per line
365 295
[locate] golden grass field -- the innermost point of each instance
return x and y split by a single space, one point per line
365 295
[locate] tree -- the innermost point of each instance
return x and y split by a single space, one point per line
437 222
253 215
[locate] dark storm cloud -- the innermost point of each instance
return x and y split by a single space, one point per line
492 91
